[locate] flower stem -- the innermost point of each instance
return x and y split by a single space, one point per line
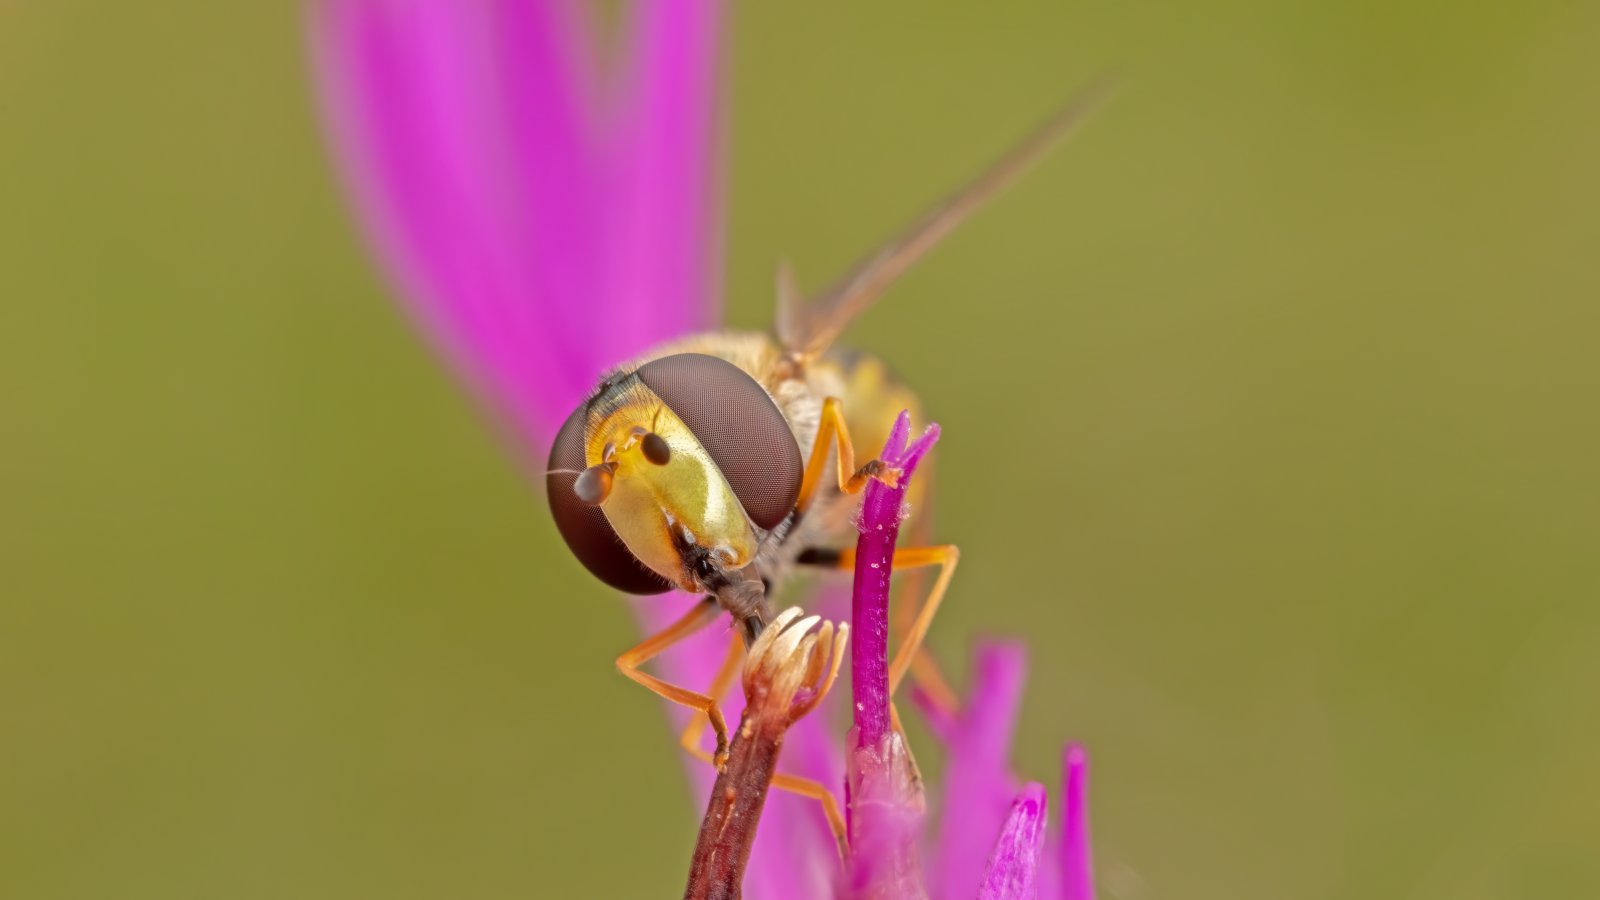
716 872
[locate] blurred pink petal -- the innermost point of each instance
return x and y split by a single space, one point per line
978 784
1014 862
1077 864
543 223
669 191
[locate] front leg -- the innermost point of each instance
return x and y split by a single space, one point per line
833 432
628 664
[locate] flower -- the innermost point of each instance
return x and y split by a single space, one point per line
543 218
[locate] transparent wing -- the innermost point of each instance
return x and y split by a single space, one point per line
809 327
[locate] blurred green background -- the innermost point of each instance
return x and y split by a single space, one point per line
1270 416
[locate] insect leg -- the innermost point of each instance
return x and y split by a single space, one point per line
831 432
925 671
690 739
807 787
945 556
628 664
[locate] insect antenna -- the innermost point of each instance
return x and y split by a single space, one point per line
808 328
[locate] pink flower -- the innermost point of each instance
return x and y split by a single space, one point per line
543 218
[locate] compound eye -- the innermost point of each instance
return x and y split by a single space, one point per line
743 431
585 527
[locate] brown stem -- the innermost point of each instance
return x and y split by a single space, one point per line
716 872
787 673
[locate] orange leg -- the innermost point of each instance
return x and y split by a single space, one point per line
629 663
690 738
807 787
831 432
925 671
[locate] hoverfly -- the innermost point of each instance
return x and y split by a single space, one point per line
704 466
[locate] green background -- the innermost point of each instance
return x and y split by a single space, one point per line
1270 421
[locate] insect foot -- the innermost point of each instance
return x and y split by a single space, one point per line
882 471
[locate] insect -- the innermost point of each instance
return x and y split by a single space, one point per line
720 463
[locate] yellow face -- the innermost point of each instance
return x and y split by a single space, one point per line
660 507
671 474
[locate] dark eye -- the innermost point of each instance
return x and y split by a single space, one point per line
735 419
585 528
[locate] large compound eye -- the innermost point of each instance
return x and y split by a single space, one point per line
592 539
742 430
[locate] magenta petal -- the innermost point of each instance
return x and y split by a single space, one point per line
979 786
942 722
1077 864
666 186
1015 861
538 240
409 99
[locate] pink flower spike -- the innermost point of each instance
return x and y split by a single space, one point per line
1077 863
884 800
542 219
1015 860
942 722
879 525
978 784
